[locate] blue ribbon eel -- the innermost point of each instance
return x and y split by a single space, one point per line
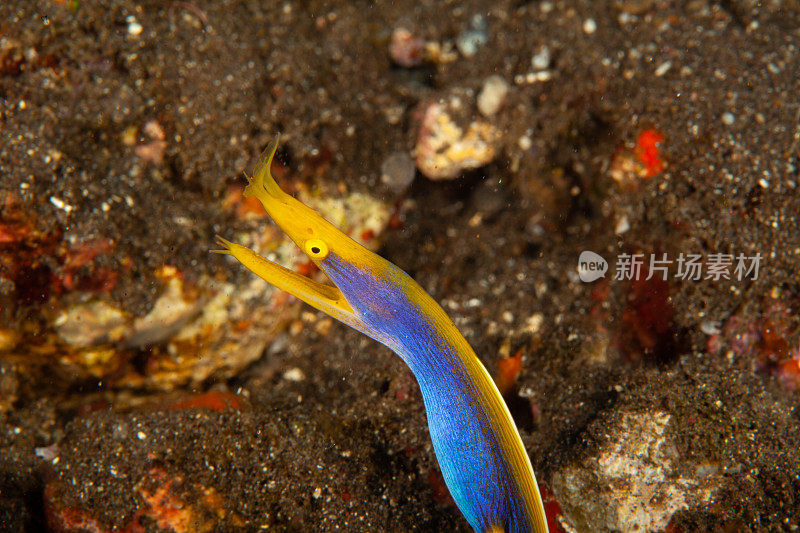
479 450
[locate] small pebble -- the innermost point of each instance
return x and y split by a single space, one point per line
622 226
478 22
469 40
295 328
542 75
589 26
406 48
492 95
323 327
710 327
663 68
397 171
134 28
154 130
541 60
728 118
534 323
61 204
48 453
294 374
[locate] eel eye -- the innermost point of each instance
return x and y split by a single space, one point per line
316 249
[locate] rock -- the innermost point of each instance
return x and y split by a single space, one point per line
91 323
444 149
630 483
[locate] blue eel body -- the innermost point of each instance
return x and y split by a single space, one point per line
470 457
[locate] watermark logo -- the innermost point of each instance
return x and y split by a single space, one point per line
591 266
692 267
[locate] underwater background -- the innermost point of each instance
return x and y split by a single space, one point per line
148 385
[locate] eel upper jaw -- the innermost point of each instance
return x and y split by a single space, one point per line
297 220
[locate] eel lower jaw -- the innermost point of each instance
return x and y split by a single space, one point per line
318 295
